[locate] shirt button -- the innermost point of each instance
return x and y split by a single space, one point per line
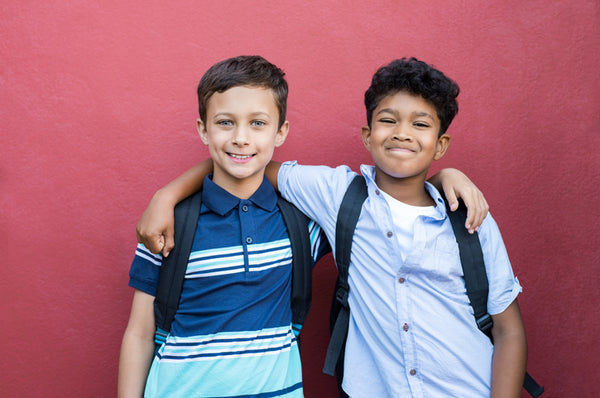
413 372
244 208
390 234
405 327
248 240
377 192
401 280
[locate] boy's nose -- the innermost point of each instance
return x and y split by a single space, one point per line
402 132
240 136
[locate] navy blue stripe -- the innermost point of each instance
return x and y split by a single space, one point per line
271 249
209 271
202 257
140 252
279 260
283 391
218 354
232 340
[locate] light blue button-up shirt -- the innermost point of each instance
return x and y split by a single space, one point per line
412 332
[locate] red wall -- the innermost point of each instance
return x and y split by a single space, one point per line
97 111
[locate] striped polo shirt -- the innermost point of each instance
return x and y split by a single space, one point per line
232 335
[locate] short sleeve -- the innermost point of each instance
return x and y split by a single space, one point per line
144 271
316 190
504 287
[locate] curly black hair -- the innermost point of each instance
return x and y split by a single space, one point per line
415 77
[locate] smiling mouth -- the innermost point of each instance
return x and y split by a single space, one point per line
400 149
240 157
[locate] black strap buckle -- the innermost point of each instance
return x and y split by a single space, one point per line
485 323
341 295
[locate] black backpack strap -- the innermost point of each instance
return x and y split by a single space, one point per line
172 270
340 311
471 258
297 227
532 386
476 282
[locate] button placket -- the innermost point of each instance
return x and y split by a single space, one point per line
246 230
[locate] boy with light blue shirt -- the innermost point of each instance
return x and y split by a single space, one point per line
412 330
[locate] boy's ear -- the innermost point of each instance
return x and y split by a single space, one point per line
366 136
441 146
282 134
202 131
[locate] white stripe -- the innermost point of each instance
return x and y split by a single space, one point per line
241 355
229 346
267 339
274 265
270 255
273 245
200 266
230 335
217 251
146 255
209 264
216 273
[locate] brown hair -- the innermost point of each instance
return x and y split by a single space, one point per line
245 70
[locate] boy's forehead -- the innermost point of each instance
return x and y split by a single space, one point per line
403 100
244 95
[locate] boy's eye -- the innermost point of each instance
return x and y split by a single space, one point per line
421 124
258 123
225 123
387 121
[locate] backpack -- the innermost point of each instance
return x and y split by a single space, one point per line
172 273
471 258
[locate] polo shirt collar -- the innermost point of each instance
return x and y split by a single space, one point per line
219 201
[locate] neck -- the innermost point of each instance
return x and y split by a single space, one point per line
410 190
242 189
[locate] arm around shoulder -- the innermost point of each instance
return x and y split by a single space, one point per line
137 348
455 184
155 227
271 172
510 353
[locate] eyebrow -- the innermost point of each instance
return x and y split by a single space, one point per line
253 114
425 114
418 113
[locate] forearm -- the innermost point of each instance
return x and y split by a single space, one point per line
186 184
137 349
271 172
510 356
155 227
135 361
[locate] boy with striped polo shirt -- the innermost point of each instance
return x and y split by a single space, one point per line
232 334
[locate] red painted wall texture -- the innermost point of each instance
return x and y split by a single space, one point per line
98 111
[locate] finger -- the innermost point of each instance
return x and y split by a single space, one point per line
452 200
138 233
154 243
169 242
477 212
472 205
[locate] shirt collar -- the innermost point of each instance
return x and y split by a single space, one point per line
368 172
219 201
